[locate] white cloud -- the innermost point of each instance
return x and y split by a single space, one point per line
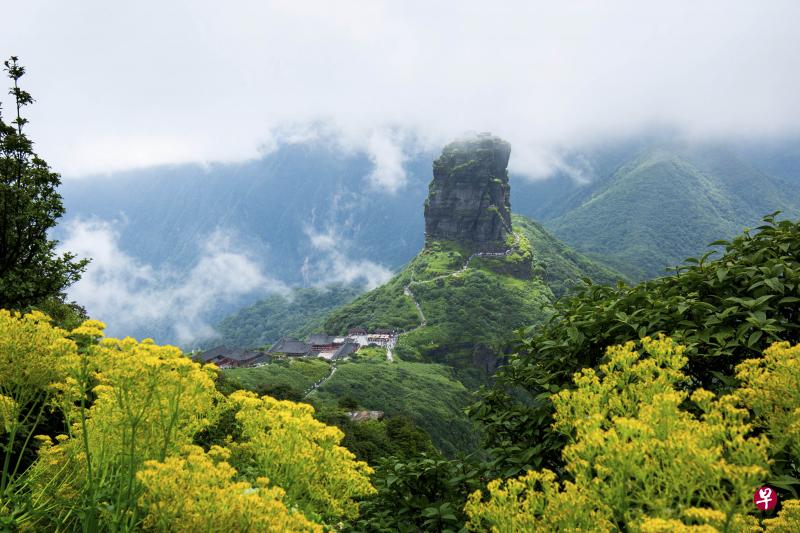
131 295
387 157
125 84
333 265
538 162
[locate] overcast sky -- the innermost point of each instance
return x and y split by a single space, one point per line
128 84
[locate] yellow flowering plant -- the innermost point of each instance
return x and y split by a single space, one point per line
770 387
281 440
198 491
643 455
32 357
125 403
127 460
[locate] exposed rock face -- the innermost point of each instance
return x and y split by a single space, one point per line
468 199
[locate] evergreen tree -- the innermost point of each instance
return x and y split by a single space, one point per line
31 273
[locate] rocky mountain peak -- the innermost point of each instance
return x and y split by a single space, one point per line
468 199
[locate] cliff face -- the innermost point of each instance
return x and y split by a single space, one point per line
468 199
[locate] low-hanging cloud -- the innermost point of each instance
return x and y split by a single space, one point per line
222 80
387 158
332 264
133 295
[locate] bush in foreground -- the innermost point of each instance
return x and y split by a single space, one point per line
132 412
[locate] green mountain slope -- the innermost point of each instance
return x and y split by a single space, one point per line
666 205
429 394
470 305
558 265
301 312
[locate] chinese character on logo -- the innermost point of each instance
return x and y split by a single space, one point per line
765 498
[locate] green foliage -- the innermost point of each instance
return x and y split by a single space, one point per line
472 313
300 313
279 375
384 307
723 311
30 270
64 315
557 265
667 204
375 440
428 394
348 402
643 454
426 493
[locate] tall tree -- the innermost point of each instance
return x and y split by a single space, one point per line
30 270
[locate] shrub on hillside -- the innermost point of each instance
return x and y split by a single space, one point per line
645 454
132 412
723 311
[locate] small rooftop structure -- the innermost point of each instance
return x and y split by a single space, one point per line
356 331
344 350
289 346
320 339
225 357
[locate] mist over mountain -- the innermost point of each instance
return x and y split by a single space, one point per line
666 201
312 214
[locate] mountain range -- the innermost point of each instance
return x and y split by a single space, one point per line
309 214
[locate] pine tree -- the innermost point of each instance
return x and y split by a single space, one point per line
31 273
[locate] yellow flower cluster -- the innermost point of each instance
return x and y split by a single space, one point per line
31 350
534 502
197 492
770 386
637 458
788 521
300 454
141 401
134 410
8 413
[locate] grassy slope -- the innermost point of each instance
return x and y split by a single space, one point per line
557 264
298 374
664 206
428 393
477 308
264 322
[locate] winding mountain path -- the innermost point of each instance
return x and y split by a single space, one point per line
408 292
321 382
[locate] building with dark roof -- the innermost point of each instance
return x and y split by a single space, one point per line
344 350
322 343
292 347
320 339
225 357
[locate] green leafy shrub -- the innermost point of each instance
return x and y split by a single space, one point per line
722 310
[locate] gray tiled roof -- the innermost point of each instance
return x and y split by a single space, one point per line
345 350
235 354
291 347
320 339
